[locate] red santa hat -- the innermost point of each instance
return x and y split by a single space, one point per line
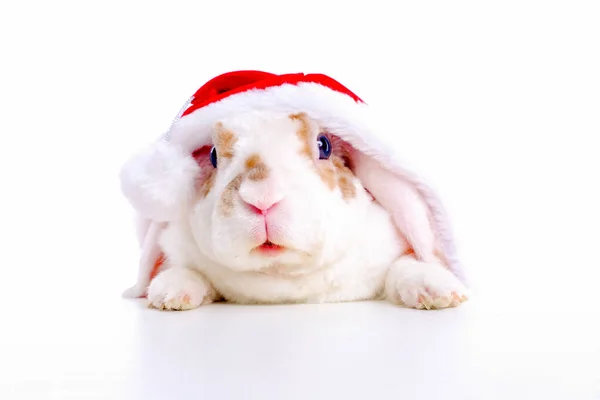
159 181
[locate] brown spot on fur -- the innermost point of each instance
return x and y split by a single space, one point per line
224 142
252 161
257 170
208 183
327 174
229 194
258 173
340 165
347 187
304 133
345 178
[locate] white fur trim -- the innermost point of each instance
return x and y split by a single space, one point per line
159 181
352 121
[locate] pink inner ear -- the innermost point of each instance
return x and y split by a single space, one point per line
202 154
340 147
202 157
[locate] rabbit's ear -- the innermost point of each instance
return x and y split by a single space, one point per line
413 206
159 181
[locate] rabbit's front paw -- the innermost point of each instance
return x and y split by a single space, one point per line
423 285
179 289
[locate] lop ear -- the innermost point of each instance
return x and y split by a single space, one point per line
159 181
413 207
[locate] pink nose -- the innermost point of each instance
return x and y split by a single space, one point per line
261 207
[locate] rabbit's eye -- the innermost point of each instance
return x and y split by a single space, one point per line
213 157
324 147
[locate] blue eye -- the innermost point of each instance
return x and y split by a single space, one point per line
213 157
324 147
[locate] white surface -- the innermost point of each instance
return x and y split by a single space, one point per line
122 350
502 100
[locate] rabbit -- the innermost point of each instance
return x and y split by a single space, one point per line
278 215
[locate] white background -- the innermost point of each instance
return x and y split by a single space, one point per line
499 103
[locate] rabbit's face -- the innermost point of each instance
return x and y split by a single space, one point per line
275 191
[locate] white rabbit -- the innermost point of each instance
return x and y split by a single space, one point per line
286 188
281 217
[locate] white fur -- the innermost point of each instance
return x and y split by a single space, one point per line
352 268
142 226
423 285
150 253
340 249
179 289
159 181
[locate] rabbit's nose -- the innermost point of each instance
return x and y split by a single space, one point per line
261 196
262 206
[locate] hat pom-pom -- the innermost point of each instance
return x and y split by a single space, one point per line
159 181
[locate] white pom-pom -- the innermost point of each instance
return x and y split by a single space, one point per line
159 181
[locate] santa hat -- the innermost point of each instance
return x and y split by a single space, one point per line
159 181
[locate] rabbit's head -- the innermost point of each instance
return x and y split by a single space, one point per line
275 189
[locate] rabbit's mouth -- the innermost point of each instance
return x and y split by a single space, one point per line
270 249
